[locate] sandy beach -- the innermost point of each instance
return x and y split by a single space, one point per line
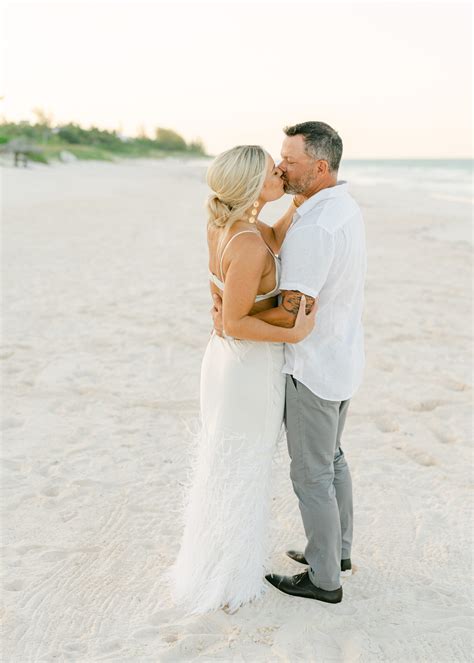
105 318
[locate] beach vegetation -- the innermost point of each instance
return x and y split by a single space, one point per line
50 140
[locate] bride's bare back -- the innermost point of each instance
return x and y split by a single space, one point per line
250 249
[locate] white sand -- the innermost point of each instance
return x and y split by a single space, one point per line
105 320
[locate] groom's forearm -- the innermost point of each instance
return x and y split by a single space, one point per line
285 314
277 316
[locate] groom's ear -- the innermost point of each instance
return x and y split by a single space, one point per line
322 167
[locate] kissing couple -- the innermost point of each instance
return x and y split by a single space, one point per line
286 351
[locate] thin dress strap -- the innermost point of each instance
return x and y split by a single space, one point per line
230 240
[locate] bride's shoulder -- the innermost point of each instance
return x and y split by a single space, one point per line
245 245
237 240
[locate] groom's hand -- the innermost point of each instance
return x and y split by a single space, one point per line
216 312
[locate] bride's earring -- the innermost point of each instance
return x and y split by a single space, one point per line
252 219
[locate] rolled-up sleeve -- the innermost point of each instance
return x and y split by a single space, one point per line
306 257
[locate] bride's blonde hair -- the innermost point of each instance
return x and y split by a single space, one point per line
236 178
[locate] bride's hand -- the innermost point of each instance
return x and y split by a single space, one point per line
298 199
304 323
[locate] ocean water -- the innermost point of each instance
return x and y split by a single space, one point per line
440 179
433 195
435 179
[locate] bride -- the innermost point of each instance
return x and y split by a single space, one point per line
222 557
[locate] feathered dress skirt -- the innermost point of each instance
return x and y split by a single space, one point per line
223 555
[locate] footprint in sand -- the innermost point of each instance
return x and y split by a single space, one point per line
189 645
443 434
420 457
50 491
45 470
67 515
427 406
386 424
170 637
455 385
147 633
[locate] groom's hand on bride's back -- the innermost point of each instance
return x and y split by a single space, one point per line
216 312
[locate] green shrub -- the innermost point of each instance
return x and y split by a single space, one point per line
167 139
37 156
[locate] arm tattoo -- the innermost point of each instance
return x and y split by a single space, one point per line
291 301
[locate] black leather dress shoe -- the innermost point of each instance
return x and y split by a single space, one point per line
346 565
301 585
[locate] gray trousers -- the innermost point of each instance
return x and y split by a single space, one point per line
321 479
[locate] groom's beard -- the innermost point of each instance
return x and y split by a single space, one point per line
298 186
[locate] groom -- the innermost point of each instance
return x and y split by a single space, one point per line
323 256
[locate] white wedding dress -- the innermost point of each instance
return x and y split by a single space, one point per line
222 560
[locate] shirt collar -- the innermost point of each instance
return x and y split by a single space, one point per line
328 192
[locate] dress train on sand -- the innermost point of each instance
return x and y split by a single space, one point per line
223 554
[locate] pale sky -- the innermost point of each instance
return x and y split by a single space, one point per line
394 78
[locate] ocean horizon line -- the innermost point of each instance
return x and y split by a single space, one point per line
425 160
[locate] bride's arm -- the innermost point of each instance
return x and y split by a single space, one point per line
242 276
274 235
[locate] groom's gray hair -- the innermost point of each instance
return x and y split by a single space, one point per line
321 141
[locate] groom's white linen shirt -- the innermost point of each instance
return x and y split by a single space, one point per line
324 255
